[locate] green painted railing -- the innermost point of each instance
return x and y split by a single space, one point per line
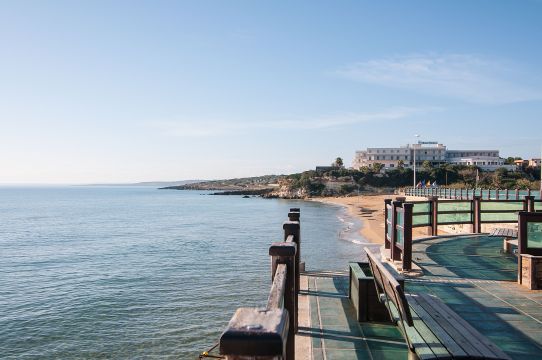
465 194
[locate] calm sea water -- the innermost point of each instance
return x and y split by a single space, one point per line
135 272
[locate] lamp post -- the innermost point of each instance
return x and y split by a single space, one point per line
414 147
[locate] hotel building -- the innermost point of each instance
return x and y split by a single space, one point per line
433 152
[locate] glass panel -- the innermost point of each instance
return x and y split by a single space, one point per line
421 220
442 218
537 206
423 207
534 235
454 206
399 237
389 229
499 217
497 205
400 218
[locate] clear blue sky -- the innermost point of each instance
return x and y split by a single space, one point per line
115 91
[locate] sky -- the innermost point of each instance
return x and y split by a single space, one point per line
127 91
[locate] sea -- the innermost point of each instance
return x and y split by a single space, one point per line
96 272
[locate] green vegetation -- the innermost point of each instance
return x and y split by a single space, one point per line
340 181
368 178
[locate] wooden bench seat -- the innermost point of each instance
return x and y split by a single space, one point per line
431 329
504 232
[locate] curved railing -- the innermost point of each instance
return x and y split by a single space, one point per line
401 217
466 194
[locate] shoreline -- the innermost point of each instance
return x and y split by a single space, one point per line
368 209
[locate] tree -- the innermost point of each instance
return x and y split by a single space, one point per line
377 167
426 165
338 162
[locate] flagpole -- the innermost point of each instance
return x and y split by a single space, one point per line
414 147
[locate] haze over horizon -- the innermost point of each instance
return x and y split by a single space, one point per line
122 91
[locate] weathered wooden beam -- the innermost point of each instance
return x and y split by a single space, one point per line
256 332
276 294
284 253
293 228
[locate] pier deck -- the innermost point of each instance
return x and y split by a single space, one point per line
331 331
469 274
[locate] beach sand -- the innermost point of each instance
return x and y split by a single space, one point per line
370 210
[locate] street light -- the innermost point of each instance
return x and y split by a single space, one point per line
414 147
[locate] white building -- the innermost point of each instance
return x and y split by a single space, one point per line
535 163
484 159
433 152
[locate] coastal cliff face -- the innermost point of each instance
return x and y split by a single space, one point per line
295 186
291 188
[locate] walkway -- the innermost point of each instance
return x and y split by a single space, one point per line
469 273
473 277
333 329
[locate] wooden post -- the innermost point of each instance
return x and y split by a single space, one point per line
477 225
528 192
293 228
497 194
517 194
393 248
293 215
434 214
528 204
407 236
284 253
253 332
506 194
386 241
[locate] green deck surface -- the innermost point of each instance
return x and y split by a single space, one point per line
335 332
470 274
473 277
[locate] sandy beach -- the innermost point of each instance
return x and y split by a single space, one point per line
370 210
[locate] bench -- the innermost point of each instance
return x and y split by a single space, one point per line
432 330
510 238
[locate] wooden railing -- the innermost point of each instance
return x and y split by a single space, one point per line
401 217
269 333
466 194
